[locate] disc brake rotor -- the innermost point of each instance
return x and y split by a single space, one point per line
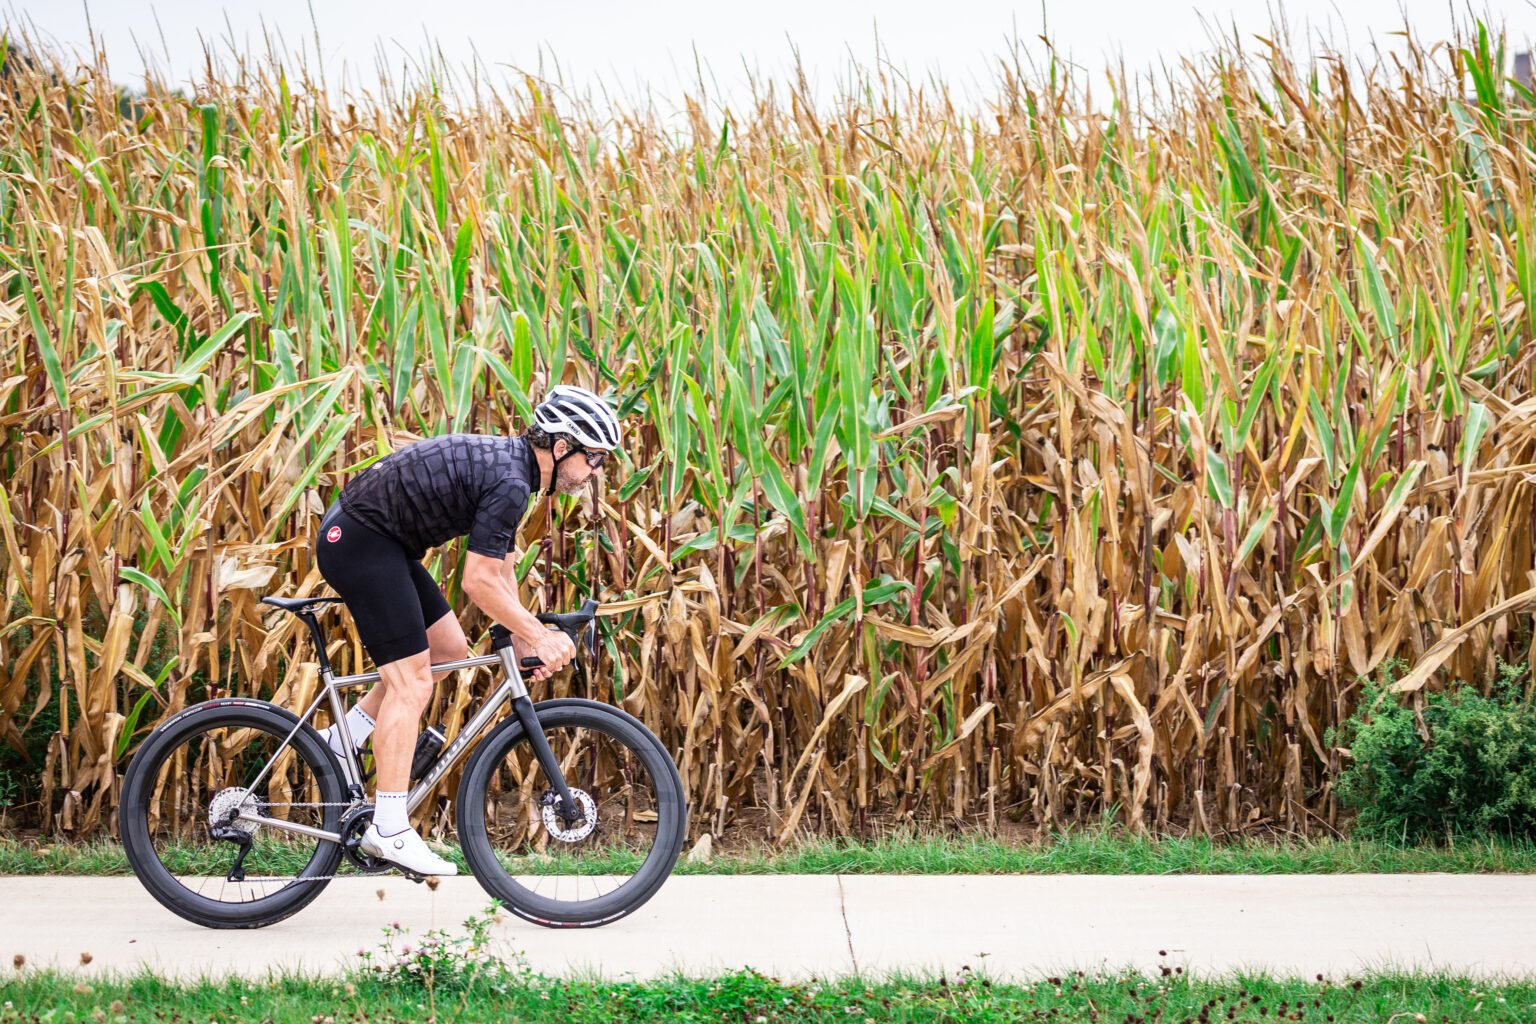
234 800
555 825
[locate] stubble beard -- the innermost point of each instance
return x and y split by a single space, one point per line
566 485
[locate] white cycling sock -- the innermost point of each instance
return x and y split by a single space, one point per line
389 815
359 723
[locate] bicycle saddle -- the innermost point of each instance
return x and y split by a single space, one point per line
299 605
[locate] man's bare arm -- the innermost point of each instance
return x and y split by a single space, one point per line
492 584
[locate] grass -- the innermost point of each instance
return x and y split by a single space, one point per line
1093 851
749 996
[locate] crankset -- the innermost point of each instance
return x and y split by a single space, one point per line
353 824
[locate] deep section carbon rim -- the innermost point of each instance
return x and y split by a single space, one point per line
208 772
619 845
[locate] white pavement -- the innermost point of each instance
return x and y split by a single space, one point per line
1020 926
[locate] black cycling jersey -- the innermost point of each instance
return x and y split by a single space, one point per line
434 490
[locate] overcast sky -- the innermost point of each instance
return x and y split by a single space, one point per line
651 45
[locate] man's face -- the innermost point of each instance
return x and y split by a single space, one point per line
575 472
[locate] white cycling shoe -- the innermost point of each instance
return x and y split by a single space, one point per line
406 850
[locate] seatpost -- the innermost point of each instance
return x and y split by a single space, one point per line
314 631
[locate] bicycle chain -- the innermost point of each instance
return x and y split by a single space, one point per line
268 803
328 878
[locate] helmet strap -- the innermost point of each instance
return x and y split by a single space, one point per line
554 470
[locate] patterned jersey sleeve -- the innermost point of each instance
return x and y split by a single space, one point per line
500 511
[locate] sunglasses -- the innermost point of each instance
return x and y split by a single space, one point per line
595 459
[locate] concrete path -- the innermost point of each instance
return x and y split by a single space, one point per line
797 926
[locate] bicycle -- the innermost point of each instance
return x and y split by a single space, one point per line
566 793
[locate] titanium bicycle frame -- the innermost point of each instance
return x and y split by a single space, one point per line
512 689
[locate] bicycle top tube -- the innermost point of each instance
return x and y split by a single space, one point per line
361 679
574 624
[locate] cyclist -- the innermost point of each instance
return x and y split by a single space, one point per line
369 550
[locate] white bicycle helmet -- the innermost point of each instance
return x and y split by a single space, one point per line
579 413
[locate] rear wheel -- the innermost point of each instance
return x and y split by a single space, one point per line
598 868
183 795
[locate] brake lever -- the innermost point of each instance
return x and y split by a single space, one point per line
585 637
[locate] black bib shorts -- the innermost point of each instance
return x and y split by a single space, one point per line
392 597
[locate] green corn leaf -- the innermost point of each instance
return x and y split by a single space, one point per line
1376 291
1338 514
204 353
1255 532
983 343
885 508
1215 709
522 350
874 594
133 575
705 541
1256 396
634 482
1218 482
329 441
460 269
1477 422
46 346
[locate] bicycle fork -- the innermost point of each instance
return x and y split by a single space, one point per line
522 706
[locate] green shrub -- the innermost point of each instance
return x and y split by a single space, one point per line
1469 771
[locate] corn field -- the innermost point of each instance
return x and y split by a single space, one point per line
1002 466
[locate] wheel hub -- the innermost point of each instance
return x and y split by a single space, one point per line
556 826
227 803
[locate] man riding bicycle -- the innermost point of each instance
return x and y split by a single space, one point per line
369 550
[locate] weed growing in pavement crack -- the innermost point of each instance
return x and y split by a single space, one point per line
443 962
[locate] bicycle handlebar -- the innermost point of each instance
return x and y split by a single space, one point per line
572 624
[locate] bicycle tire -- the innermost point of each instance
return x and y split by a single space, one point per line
133 815
479 852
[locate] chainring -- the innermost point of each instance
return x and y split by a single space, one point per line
353 824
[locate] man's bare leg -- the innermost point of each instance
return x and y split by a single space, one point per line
407 685
447 642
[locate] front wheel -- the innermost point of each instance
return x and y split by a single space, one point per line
600 867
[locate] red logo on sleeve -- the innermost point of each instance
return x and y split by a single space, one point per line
333 534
